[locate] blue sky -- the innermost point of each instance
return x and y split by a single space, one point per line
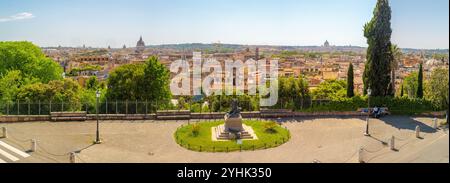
99 23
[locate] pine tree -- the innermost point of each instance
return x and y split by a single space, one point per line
420 83
377 73
350 84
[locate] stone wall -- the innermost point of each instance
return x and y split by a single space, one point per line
217 115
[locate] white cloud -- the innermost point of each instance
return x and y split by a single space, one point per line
19 16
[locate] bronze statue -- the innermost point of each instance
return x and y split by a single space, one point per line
235 110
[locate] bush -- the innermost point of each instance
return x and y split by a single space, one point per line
270 127
399 106
195 130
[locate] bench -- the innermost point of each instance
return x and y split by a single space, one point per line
384 111
68 116
173 115
275 113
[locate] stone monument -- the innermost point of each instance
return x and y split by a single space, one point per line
233 127
233 119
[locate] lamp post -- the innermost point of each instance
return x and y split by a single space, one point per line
369 92
63 75
97 139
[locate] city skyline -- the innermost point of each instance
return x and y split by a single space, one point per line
288 23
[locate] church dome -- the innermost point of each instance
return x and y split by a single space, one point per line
140 43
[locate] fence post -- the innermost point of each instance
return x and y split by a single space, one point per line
72 157
28 107
417 131
50 107
136 107
117 112
106 106
18 107
435 125
39 107
7 108
5 132
33 145
126 106
360 155
62 106
392 145
146 108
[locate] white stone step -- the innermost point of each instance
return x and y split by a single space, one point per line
14 150
8 156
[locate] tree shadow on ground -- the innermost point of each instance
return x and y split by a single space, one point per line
407 123
310 118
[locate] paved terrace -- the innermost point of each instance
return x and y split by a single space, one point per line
328 140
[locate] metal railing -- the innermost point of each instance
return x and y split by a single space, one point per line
133 107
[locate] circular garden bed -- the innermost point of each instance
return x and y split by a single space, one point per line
198 137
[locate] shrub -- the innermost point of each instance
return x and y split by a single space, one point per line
399 106
270 127
195 130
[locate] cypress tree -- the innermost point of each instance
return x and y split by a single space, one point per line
350 84
377 73
402 92
420 83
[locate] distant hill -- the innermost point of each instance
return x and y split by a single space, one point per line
219 47
237 47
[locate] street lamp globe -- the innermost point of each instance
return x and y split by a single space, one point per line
63 75
97 94
369 91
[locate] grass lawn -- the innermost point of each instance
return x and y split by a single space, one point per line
202 142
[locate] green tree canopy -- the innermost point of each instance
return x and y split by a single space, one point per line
92 83
330 89
123 82
29 60
66 90
149 81
377 73
437 88
410 84
156 81
292 91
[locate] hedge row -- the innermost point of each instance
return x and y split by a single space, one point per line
400 106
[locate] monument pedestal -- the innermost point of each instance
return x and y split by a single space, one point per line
233 129
234 123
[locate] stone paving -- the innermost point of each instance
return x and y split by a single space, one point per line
327 140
